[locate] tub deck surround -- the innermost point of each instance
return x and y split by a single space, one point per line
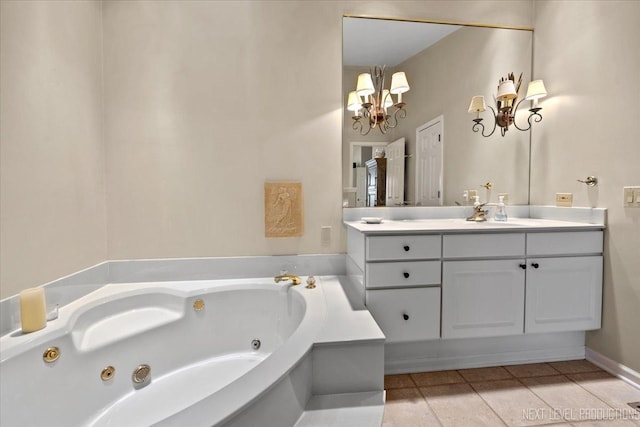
69 288
441 288
206 355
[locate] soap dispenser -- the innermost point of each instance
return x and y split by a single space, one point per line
501 211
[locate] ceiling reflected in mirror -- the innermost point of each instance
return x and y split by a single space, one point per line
368 42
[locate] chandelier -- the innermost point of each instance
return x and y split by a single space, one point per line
507 105
370 102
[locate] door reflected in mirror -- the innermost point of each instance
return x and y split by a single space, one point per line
441 158
375 167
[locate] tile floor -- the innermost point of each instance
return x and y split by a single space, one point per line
572 393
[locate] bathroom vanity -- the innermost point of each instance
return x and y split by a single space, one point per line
443 279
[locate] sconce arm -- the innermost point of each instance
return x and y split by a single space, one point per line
535 116
479 126
400 112
357 125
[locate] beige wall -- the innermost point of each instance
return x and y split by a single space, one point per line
205 101
52 187
443 78
590 66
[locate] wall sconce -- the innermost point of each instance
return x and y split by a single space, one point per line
377 101
507 105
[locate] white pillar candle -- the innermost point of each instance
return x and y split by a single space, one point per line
33 310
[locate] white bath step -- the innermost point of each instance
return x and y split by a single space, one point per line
352 409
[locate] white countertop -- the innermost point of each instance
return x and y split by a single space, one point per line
460 225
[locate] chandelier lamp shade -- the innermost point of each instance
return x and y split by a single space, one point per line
507 104
371 102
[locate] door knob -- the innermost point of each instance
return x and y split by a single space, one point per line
535 265
523 266
406 275
405 316
406 248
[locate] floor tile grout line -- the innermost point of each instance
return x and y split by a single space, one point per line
469 381
412 380
435 414
535 376
592 394
549 404
541 398
488 405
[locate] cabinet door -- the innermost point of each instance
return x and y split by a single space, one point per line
564 294
406 314
482 298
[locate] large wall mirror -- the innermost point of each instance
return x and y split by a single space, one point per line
432 155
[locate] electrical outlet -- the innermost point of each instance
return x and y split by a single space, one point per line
564 199
505 197
325 235
631 197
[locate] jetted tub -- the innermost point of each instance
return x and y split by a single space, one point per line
246 347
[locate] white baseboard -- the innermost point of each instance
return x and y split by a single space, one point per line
614 368
482 352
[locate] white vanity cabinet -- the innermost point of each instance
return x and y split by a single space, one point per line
402 285
483 283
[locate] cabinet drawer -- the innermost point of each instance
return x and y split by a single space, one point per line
577 242
483 245
407 314
402 247
402 273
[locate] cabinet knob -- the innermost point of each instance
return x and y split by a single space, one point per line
523 266
406 275
406 248
405 316
535 265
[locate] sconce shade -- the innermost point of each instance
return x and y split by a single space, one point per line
399 83
536 90
477 105
354 103
506 90
365 85
387 100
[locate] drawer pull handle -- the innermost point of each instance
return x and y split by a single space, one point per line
535 265
406 248
406 275
405 316
523 266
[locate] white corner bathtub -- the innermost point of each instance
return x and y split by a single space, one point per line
204 368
